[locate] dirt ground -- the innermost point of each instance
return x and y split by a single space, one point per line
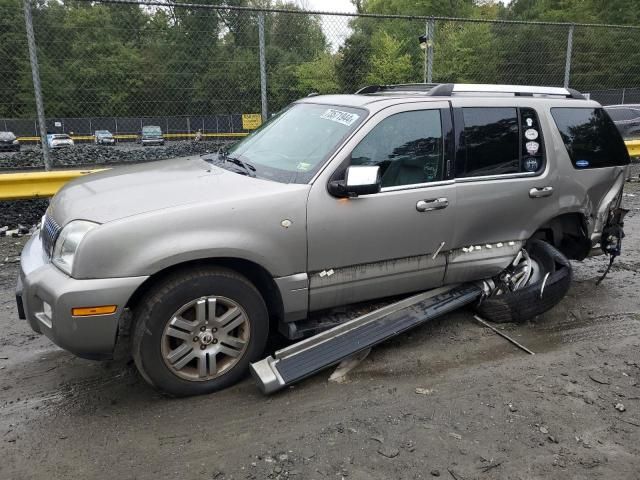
487 410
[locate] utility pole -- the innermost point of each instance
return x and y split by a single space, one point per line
35 73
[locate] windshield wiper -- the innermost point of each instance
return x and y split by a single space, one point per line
246 166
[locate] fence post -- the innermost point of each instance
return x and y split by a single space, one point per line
431 25
426 34
35 73
567 65
624 91
263 67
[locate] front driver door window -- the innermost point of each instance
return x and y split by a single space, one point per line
406 146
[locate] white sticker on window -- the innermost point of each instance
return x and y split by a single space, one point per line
533 147
339 116
531 134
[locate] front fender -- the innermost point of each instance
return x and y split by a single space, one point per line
147 243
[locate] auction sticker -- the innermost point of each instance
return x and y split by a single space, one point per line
532 147
531 134
339 116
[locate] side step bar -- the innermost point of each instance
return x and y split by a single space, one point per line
327 348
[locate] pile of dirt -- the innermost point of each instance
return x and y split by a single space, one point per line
94 155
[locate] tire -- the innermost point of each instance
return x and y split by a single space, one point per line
169 333
526 303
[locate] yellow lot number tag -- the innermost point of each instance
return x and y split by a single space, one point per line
251 121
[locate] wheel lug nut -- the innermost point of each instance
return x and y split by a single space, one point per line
215 340
195 339
202 329
203 347
214 329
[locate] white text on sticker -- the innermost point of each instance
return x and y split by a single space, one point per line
344 118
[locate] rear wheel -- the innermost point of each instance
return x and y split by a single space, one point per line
197 331
536 281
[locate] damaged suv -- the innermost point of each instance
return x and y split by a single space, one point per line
335 200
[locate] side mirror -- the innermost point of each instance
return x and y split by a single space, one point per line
358 180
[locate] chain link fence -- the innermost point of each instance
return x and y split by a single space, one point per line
123 62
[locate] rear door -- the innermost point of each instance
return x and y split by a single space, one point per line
504 187
391 242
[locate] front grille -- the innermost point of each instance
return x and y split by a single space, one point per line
50 231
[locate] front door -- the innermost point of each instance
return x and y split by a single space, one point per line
392 242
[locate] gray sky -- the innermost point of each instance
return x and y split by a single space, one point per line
327 5
335 5
336 29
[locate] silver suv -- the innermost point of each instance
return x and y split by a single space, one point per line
336 200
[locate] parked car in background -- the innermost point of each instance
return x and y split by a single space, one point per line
151 135
627 119
9 142
59 140
104 137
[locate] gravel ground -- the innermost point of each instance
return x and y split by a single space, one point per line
485 410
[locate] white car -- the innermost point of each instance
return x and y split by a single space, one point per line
59 140
104 137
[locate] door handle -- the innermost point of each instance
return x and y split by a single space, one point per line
541 192
432 204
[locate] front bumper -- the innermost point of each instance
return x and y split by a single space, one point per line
46 296
152 141
9 147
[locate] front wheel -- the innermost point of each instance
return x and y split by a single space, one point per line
197 331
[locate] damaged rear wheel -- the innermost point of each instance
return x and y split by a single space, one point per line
536 281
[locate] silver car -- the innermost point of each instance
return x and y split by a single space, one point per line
336 200
104 137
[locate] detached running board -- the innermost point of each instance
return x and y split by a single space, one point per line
316 353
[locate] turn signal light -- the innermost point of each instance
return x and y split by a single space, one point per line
89 311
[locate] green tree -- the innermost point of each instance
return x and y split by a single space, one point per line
318 76
388 62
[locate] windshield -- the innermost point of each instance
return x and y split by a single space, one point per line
103 133
293 145
151 130
61 136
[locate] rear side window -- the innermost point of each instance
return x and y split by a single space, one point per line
591 138
500 141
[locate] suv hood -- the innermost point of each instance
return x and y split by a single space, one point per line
132 190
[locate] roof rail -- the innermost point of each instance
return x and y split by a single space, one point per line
450 89
405 88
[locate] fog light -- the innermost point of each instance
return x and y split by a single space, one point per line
90 311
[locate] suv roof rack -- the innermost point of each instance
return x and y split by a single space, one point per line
400 88
451 89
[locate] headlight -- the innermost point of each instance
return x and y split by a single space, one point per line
68 242
15 142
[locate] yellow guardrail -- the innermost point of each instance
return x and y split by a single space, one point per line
133 136
19 186
634 147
